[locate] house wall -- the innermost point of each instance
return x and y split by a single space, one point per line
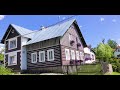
116 53
56 62
65 39
14 67
23 53
17 50
12 35
44 46
88 54
18 45
65 44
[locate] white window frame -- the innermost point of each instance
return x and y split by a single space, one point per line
70 38
81 55
40 56
10 55
72 54
12 40
32 57
48 54
67 56
77 55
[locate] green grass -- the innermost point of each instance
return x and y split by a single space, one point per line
113 73
89 70
5 71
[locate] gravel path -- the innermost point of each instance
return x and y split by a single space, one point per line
51 74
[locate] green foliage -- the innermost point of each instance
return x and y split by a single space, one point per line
5 71
112 43
115 64
89 69
104 52
1 57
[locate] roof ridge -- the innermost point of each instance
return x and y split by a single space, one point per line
20 27
60 22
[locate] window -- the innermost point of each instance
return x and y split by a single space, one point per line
50 55
67 54
72 55
76 39
70 38
13 43
12 59
81 55
42 56
34 57
119 50
77 55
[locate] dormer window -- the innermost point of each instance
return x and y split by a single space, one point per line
71 40
12 30
12 43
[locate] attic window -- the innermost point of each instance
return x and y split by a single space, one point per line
12 31
72 26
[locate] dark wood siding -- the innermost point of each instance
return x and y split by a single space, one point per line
14 67
56 62
42 44
18 46
12 35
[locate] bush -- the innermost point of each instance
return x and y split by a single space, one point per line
5 71
115 64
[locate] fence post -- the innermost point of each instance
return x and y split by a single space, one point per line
76 69
67 69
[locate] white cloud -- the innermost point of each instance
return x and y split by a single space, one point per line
102 19
80 26
114 20
2 17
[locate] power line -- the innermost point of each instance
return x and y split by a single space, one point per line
49 25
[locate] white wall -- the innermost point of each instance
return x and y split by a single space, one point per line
87 51
116 53
23 53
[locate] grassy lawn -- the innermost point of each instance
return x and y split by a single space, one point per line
89 70
114 73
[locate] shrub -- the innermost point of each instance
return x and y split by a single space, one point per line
115 64
5 71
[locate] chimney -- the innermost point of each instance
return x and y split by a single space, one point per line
42 27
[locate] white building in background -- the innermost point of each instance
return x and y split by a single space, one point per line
89 55
2 48
117 52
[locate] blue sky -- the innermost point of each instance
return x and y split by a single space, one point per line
93 27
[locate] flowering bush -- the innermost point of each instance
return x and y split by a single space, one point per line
75 62
72 42
87 59
78 44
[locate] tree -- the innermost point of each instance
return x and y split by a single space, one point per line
103 41
104 52
112 43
